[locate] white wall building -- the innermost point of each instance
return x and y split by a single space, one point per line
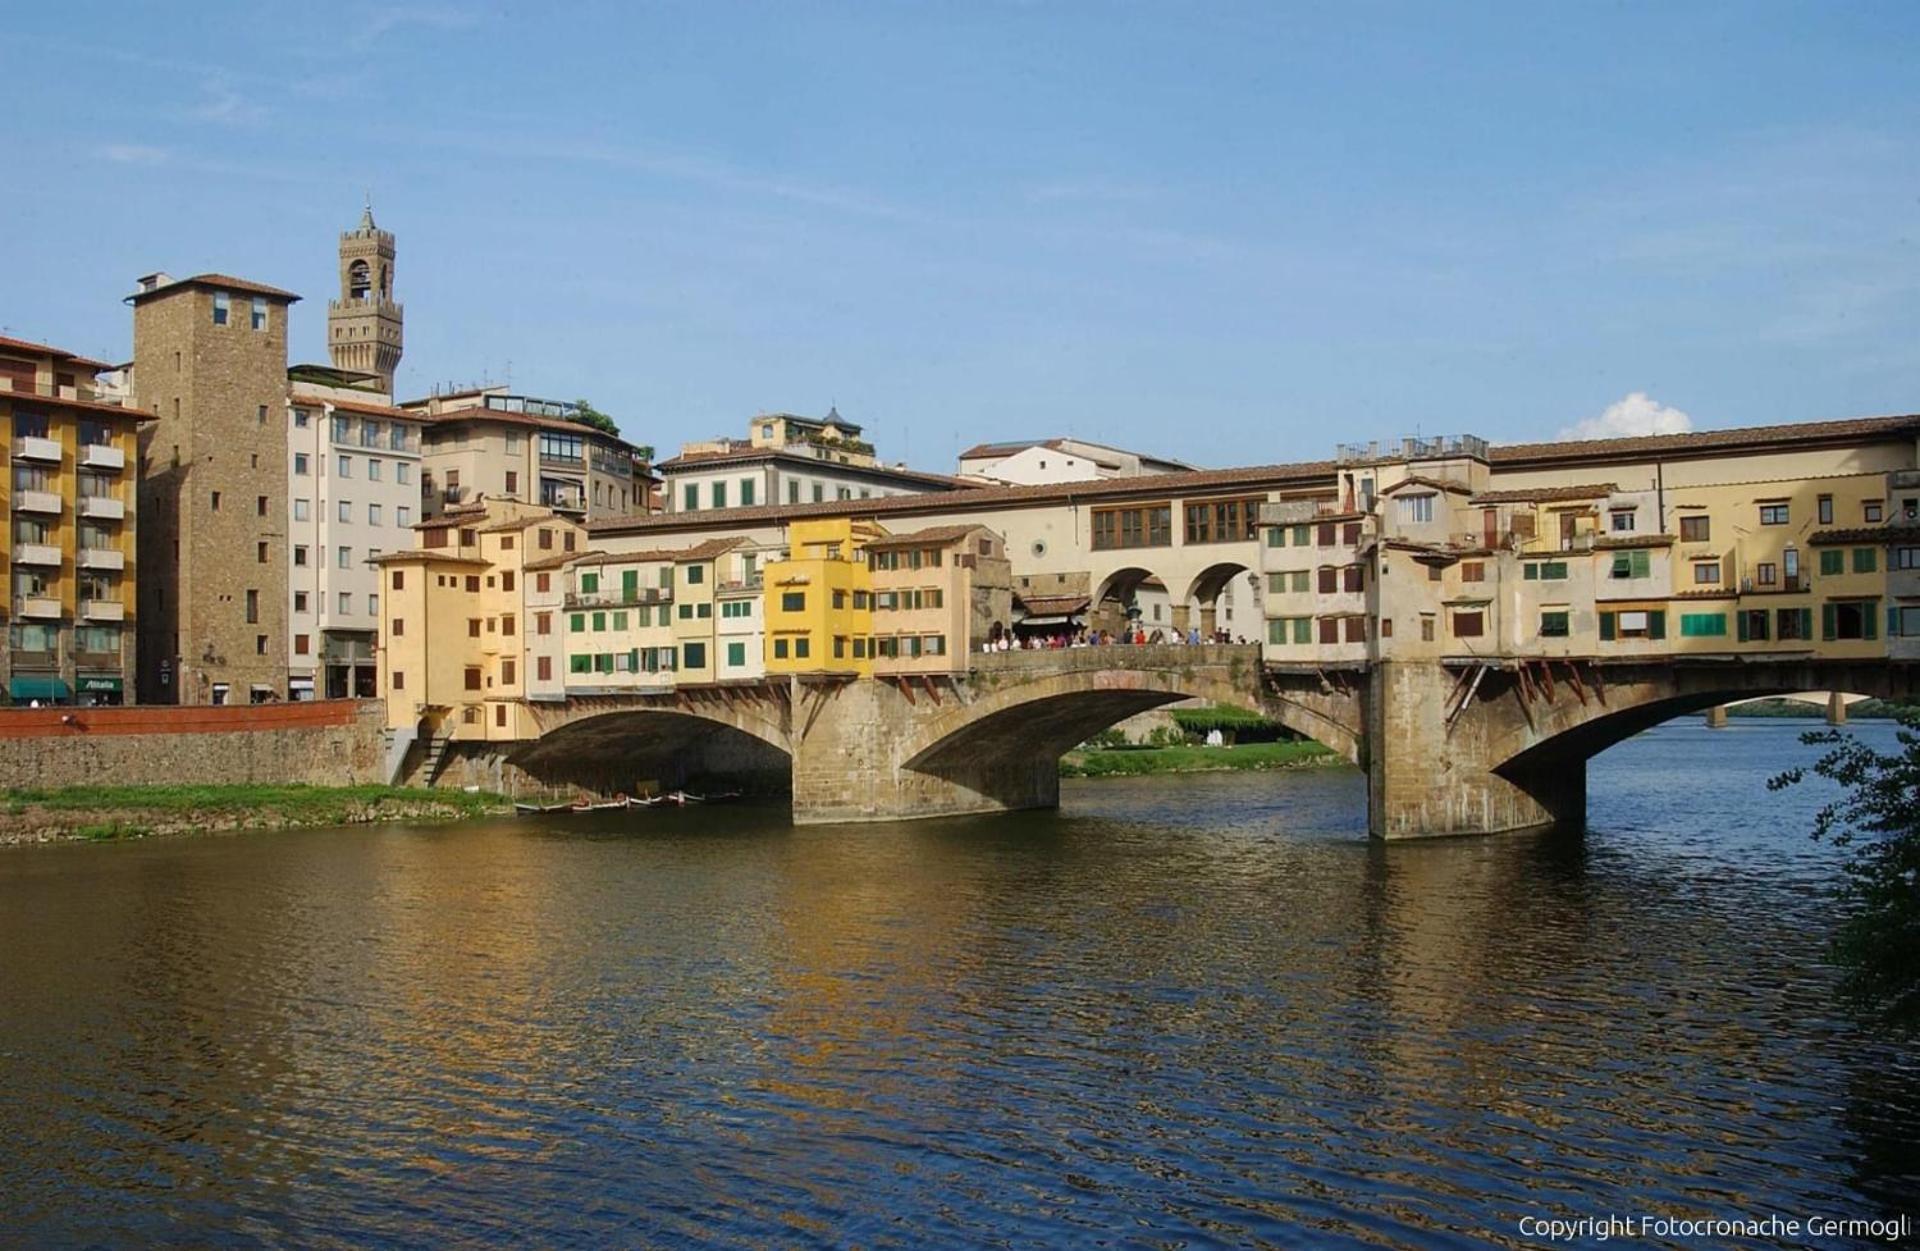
353 491
1040 461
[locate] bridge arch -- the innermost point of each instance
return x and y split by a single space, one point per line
1204 591
613 743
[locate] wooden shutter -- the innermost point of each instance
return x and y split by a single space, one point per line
1740 621
1657 624
1606 627
1829 620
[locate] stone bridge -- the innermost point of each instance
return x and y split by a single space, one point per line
1449 747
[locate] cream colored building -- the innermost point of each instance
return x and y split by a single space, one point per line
937 594
486 443
1033 462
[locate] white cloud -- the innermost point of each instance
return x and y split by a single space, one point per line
1637 414
221 105
131 154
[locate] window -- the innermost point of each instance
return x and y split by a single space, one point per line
581 663
373 603
1544 571
300 554
403 516
696 574
373 470
1620 519
399 680
302 509
1633 563
1633 625
260 551
1706 573
221 306
301 418
801 646
346 510
1695 529
299 601
302 464
402 471
1220 521
736 655
1753 625
1473 571
1849 619
1832 561
253 607
1553 623
373 514
1866 559
1469 624
215 501
1766 573
1904 621
719 494
259 313
346 603
343 558
1703 625
346 467
543 668
473 677
1872 512
819 492
1415 509
1773 514
1149 525
301 644
399 627
793 601
1906 558
690 497
1426 627
1826 510
693 656
779 649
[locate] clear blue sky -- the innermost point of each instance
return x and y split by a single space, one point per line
1229 233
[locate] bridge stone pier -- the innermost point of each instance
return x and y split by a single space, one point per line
1450 747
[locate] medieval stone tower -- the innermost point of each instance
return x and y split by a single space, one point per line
364 324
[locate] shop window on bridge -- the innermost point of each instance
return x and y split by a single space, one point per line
1353 578
1752 625
1544 571
793 601
1329 580
1906 558
1634 624
1849 619
1703 625
1792 624
1329 629
1832 561
1903 621
1553 623
1149 525
1356 629
1327 533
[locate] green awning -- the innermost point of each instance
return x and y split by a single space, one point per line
37 686
99 683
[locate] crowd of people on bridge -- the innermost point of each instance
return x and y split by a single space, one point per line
1003 639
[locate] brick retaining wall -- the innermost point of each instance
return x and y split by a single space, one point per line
323 743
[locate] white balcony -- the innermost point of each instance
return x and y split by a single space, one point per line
103 610
36 554
100 558
32 447
36 502
39 607
102 507
102 456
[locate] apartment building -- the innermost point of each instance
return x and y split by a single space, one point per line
71 546
453 648
1774 548
486 443
787 460
935 592
1032 462
210 370
353 491
819 599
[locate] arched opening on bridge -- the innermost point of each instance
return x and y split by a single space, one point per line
1131 597
636 750
1224 599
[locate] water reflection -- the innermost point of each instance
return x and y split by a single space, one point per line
1196 1009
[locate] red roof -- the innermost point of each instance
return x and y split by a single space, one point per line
47 349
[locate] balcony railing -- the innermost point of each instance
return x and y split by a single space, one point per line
102 456
33 447
102 507
38 607
36 554
103 610
88 395
101 558
620 599
36 502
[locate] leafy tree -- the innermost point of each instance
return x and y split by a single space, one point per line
587 415
1878 943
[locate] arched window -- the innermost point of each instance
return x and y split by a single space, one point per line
359 280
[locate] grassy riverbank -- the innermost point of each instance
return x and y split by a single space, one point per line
1188 758
102 813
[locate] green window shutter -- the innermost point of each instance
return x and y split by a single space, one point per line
578 623
1828 616
619 621
1300 536
599 622
1622 564
1606 627
1276 536
589 583
1302 630
1893 621
1657 625
629 582
1870 616
1641 564
1531 572
1866 559
579 664
1806 623
1740 624
1831 560
633 659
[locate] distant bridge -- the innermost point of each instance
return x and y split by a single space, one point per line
1449 747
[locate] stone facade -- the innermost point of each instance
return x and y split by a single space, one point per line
210 365
365 325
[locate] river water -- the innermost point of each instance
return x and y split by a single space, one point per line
1180 1011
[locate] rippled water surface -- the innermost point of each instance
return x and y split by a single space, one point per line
1180 1011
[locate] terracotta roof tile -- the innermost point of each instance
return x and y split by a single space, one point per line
699 551
1705 441
926 537
743 455
1892 532
1545 494
221 282
1053 605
